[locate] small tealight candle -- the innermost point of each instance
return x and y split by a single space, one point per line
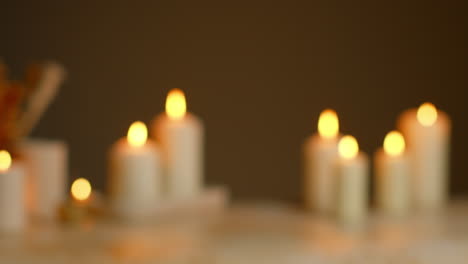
134 174
427 133
77 208
12 194
392 177
181 136
320 152
352 176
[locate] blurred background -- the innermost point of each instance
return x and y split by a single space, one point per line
257 72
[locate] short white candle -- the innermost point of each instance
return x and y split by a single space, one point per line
320 152
392 179
12 194
352 176
181 136
46 163
134 174
427 133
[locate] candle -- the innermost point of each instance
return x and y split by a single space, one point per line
392 175
352 182
181 136
134 174
47 172
12 194
320 152
427 133
76 209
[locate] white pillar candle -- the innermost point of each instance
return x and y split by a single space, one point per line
352 176
427 133
392 179
181 136
47 172
12 194
134 174
320 152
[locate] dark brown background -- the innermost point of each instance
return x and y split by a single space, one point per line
257 72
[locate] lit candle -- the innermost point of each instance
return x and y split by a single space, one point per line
76 209
352 176
12 193
392 175
46 163
134 174
427 133
181 136
320 152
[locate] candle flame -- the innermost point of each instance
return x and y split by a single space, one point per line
328 124
394 143
81 189
348 147
427 114
137 134
5 160
175 104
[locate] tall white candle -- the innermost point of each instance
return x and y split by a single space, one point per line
427 133
181 136
320 152
12 194
134 174
352 176
47 172
392 179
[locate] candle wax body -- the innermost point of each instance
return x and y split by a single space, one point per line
392 181
182 151
12 199
134 179
352 179
47 172
428 148
319 157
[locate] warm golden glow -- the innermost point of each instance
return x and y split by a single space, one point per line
137 134
328 125
427 114
175 104
348 147
81 189
5 160
394 143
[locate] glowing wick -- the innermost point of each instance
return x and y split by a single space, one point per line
328 125
348 147
81 189
175 104
394 143
137 134
427 114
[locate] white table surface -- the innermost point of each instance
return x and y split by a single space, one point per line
247 233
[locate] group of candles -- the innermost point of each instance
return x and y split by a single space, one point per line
32 185
411 170
143 173
169 167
